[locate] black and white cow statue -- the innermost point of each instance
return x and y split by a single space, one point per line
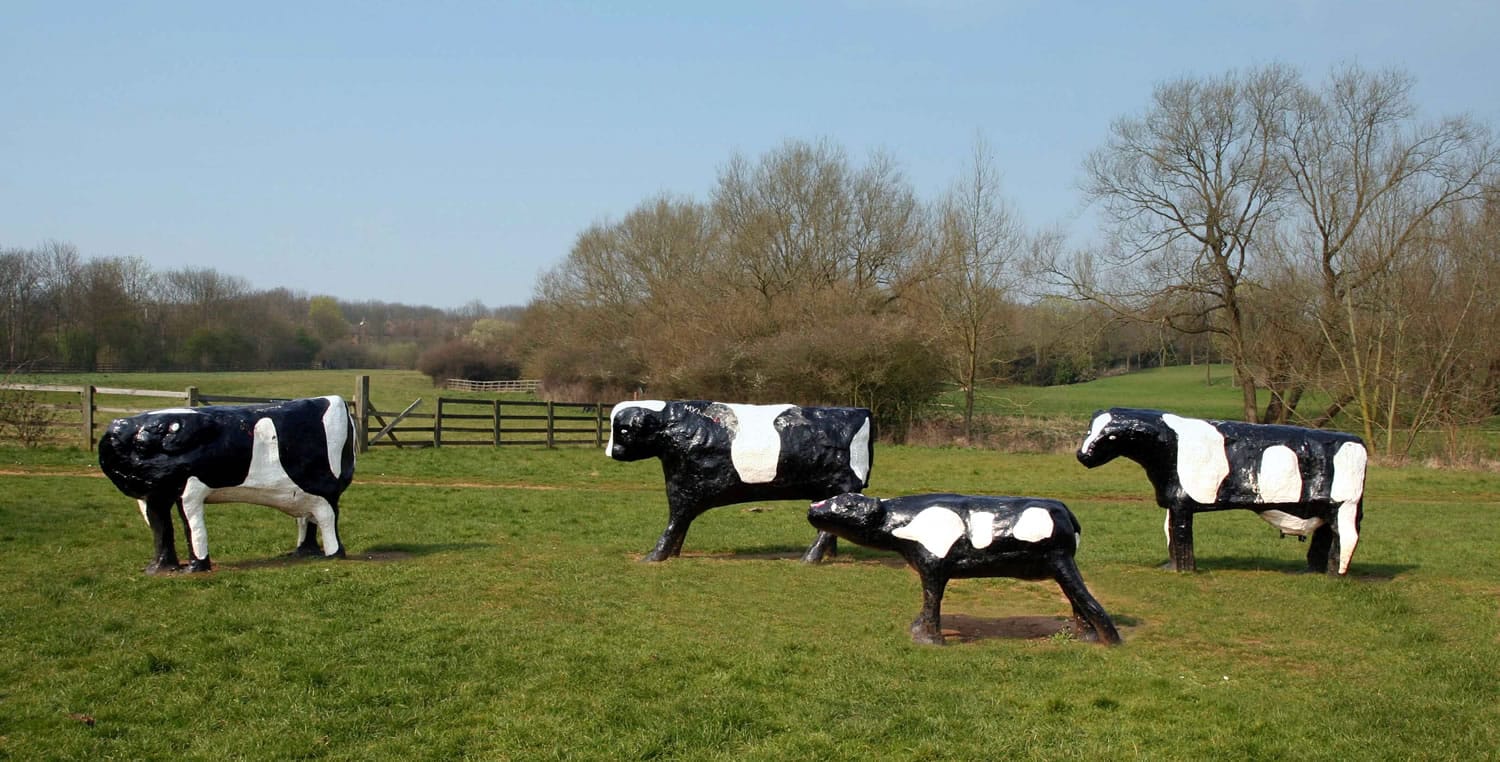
714 454
1302 481
947 537
297 456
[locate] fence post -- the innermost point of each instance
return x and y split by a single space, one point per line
551 423
87 398
362 413
599 424
437 425
497 423
192 396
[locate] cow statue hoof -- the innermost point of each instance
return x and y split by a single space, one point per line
163 568
946 537
200 565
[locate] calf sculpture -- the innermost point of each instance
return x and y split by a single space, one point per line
1302 481
714 454
297 456
947 537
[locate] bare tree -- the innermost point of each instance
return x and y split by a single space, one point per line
1189 188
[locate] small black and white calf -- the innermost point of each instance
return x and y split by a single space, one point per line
714 454
1302 481
297 456
947 537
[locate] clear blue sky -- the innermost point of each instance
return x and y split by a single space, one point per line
438 152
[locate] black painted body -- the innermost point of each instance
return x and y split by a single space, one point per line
1143 436
875 523
152 456
693 440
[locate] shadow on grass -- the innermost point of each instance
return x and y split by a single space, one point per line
782 552
374 554
1357 570
962 628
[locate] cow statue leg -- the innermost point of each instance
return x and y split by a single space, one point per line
191 507
1179 529
158 512
679 517
826 544
927 627
1089 618
307 539
317 519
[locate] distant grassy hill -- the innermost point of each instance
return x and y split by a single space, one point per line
1193 390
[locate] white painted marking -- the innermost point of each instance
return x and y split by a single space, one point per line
859 453
1201 462
936 528
1290 524
1348 532
756 446
1279 480
335 432
655 406
1348 473
981 529
1034 525
1100 421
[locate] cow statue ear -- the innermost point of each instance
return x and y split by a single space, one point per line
185 433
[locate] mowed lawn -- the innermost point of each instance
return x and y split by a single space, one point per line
493 608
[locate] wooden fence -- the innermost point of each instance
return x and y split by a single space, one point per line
72 415
465 385
459 422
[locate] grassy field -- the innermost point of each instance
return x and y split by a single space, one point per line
493 608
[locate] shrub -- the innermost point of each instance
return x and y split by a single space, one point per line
463 359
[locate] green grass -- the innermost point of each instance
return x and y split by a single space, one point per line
493 608
1199 391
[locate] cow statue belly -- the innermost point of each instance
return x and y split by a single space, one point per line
714 454
947 537
296 456
1304 482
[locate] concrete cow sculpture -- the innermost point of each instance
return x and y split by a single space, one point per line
715 453
297 456
947 537
1302 481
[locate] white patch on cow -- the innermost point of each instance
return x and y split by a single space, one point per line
1279 480
936 528
266 483
655 406
859 453
756 447
1100 421
1034 525
335 432
1201 462
981 529
1348 532
144 516
174 411
1348 473
1290 524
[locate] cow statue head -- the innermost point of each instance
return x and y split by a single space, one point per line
635 430
1112 435
851 515
137 452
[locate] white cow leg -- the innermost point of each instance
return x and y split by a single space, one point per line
1348 534
327 519
197 531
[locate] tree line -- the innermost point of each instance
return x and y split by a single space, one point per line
59 311
1338 247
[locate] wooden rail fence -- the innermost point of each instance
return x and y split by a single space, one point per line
69 414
